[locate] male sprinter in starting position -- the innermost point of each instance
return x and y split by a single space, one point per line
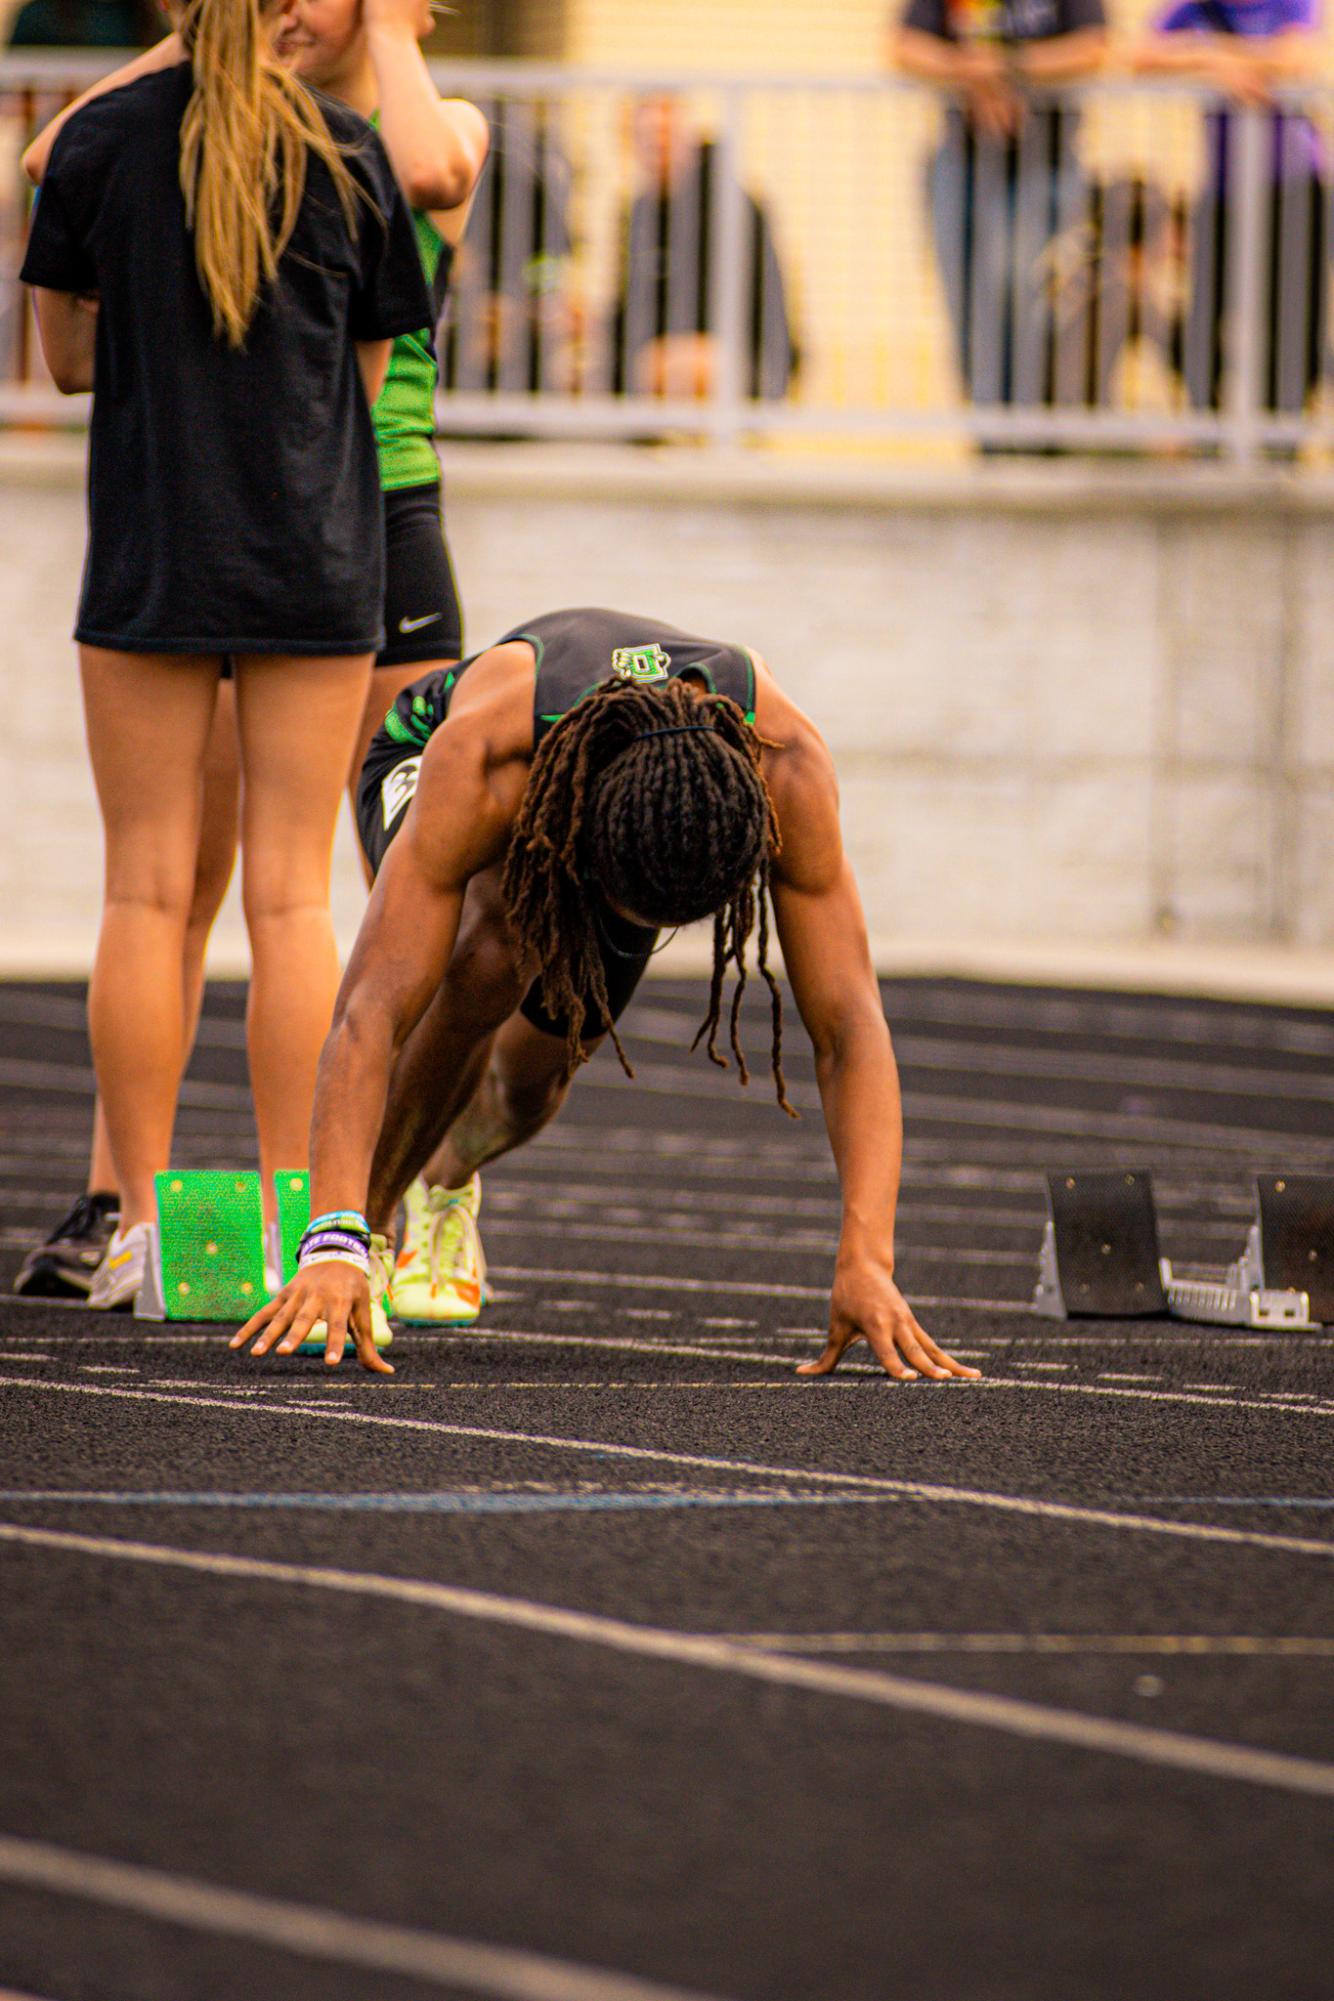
535 815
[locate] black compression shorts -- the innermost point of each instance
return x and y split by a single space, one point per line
388 782
422 616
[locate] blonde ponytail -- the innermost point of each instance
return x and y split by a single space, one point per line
244 141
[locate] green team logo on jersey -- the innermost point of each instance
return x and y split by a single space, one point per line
641 663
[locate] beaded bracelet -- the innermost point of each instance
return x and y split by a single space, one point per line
341 1219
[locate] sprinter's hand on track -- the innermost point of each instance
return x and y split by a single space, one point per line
868 1306
336 1293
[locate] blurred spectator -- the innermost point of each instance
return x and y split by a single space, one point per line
86 24
662 343
1245 48
511 315
1006 179
1115 285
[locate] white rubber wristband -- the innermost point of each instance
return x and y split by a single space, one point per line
363 1265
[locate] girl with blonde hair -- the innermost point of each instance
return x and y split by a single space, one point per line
366 54
224 260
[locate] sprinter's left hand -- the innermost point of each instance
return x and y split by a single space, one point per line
868 1306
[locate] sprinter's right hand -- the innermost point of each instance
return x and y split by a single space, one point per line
336 1292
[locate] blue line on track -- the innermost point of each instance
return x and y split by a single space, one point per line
451 1504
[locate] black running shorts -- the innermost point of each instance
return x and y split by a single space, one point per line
422 616
388 782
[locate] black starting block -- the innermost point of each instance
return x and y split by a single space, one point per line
1100 1251
1294 1233
1100 1256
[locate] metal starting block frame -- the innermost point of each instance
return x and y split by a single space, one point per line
206 1249
1100 1256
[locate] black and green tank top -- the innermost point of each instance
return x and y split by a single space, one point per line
576 652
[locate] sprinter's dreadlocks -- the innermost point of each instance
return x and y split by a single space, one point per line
655 797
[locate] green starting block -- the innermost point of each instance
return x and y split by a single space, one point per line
293 1192
206 1249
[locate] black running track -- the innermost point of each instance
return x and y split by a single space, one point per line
595 1657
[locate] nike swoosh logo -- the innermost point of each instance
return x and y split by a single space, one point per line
415 624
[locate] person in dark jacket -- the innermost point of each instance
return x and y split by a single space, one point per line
664 338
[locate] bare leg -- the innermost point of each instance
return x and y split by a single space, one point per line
521 1089
419 1111
101 1166
217 852
213 872
298 720
442 1061
148 718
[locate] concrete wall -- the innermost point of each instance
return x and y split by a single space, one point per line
1075 712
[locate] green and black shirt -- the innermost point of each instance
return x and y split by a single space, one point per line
576 652
404 412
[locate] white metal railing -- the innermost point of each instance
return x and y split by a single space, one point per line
656 255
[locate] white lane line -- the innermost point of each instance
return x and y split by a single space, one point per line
77 1080
1018 1117
65 1014
108 1369
628 1282
986 1163
1297 1404
526 1193
1095 1017
916 1490
755 1358
1041 1643
502 1973
1175 1334
595 1386
1109 1385
1032 1720
1182 1395
1120 1376
927 1174
751 1288
797 1244
12 1355
1054 1367
211 1383
1203 1079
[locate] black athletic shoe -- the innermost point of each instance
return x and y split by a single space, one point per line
63 1267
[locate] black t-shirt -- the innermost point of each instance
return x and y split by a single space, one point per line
1007 22
234 498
